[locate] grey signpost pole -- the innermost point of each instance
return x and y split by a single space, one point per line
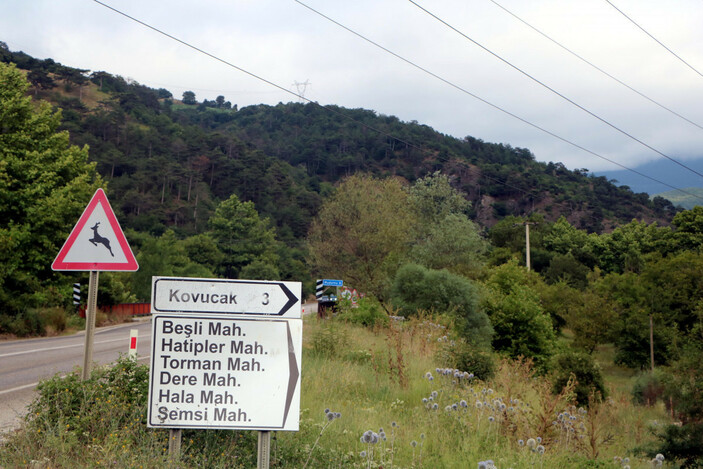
174 444
90 313
263 457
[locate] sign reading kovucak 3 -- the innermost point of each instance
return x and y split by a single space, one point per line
230 360
204 295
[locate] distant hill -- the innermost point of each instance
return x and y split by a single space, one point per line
168 163
686 201
662 170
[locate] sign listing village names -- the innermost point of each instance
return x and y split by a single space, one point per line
225 371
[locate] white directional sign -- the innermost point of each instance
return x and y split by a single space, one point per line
203 295
214 371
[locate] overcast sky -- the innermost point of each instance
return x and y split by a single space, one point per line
285 42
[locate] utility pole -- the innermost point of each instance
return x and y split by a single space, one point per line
527 241
651 341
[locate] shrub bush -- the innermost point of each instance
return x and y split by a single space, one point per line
327 340
417 289
471 359
589 379
648 387
369 312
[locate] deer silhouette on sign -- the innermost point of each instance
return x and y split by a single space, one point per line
99 239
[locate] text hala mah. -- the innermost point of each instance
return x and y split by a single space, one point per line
206 397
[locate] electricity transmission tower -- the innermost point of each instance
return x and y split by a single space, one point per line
301 87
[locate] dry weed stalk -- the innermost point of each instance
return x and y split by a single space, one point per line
396 361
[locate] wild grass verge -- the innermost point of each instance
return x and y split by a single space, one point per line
395 403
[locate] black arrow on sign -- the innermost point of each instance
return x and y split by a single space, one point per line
292 299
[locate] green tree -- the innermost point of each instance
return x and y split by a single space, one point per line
417 289
164 256
592 320
584 369
433 199
243 238
45 183
453 243
631 297
689 229
522 329
445 237
189 98
362 233
627 247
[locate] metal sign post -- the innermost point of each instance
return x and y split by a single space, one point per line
174 444
263 456
90 313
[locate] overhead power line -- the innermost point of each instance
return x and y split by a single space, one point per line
494 106
374 129
594 66
564 97
654 38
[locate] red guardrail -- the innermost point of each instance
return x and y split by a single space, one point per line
123 309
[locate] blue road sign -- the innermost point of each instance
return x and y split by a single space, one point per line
332 283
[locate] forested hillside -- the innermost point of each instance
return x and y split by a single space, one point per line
168 163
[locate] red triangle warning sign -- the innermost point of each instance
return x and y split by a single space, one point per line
96 242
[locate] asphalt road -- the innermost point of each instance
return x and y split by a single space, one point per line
23 363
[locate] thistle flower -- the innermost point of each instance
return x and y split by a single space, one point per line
362 454
531 443
491 419
435 406
521 442
463 403
540 449
413 443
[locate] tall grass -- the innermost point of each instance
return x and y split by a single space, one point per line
399 406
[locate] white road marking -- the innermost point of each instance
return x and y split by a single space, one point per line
31 385
61 347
